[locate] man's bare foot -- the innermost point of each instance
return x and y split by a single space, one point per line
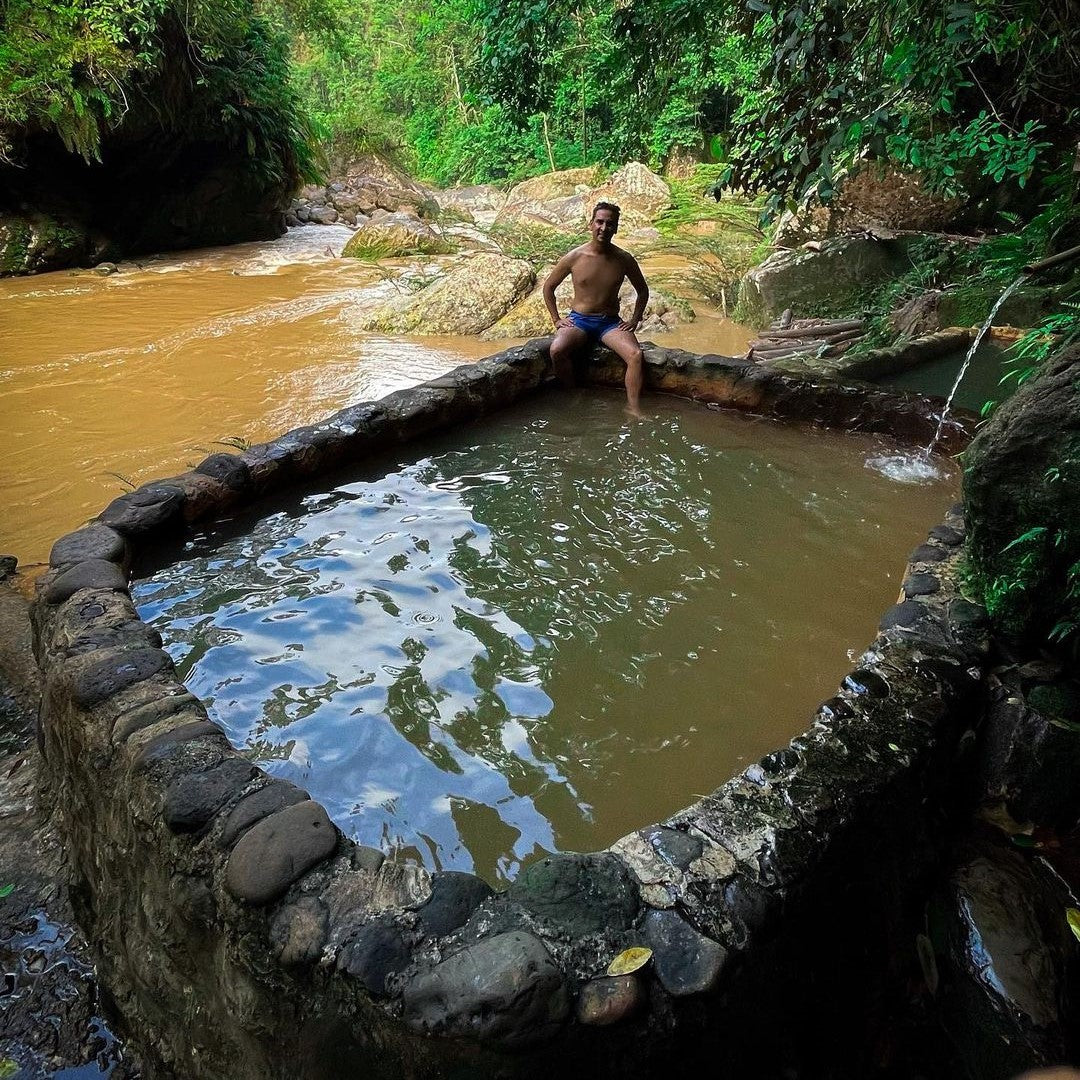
634 411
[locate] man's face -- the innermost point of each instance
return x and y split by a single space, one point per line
603 226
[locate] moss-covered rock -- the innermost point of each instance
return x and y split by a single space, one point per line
1022 495
31 243
395 236
466 301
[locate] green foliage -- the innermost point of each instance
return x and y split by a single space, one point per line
80 68
969 91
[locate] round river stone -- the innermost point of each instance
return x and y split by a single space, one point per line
93 542
503 989
685 961
278 851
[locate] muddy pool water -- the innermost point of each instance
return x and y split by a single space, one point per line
545 629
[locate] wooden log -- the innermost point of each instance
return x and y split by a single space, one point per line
818 331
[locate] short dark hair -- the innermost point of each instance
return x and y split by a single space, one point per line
606 206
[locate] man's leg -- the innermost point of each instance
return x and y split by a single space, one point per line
568 342
626 346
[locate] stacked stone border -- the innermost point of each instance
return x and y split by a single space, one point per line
239 928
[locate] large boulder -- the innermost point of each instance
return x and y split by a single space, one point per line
1002 954
824 281
1022 501
555 185
529 318
473 203
640 194
557 199
392 236
466 301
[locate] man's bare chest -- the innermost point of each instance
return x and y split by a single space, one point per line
592 273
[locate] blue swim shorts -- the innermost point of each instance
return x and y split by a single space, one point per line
596 326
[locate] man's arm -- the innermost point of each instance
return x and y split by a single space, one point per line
637 279
558 275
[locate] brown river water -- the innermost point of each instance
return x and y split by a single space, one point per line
110 381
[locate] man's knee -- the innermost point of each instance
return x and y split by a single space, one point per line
635 358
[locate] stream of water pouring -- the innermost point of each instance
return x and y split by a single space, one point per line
967 360
919 468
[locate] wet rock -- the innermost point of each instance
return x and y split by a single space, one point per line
92 542
503 989
966 615
946 534
8 564
467 300
153 712
147 510
1003 956
97 677
1030 760
228 469
606 1001
674 846
322 215
367 858
275 796
581 894
685 961
908 614
278 851
299 931
863 681
92 574
921 585
393 236
378 951
928 553
192 800
454 897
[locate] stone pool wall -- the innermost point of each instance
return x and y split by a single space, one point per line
242 935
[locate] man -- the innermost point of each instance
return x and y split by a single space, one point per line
597 269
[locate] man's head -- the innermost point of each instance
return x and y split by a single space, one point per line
604 222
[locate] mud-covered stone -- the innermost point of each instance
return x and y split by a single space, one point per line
147 510
299 931
192 800
95 678
921 585
275 796
581 894
608 1000
153 712
277 851
504 989
864 681
93 542
228 469
454 897
685 961
91 574
378 951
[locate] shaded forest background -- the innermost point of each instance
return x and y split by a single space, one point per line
786 96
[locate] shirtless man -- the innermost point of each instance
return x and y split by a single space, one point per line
597 269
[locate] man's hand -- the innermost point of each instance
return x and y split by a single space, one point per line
563 323
630 325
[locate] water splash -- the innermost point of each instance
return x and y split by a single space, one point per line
917 468
967 360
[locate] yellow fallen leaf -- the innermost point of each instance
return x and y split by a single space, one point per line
637 957
1073 915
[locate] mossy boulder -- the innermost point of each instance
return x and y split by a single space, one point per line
832 279
35 242
640 194
1022 500
394 236
467 300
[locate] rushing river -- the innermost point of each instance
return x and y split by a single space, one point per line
111 381
545 629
